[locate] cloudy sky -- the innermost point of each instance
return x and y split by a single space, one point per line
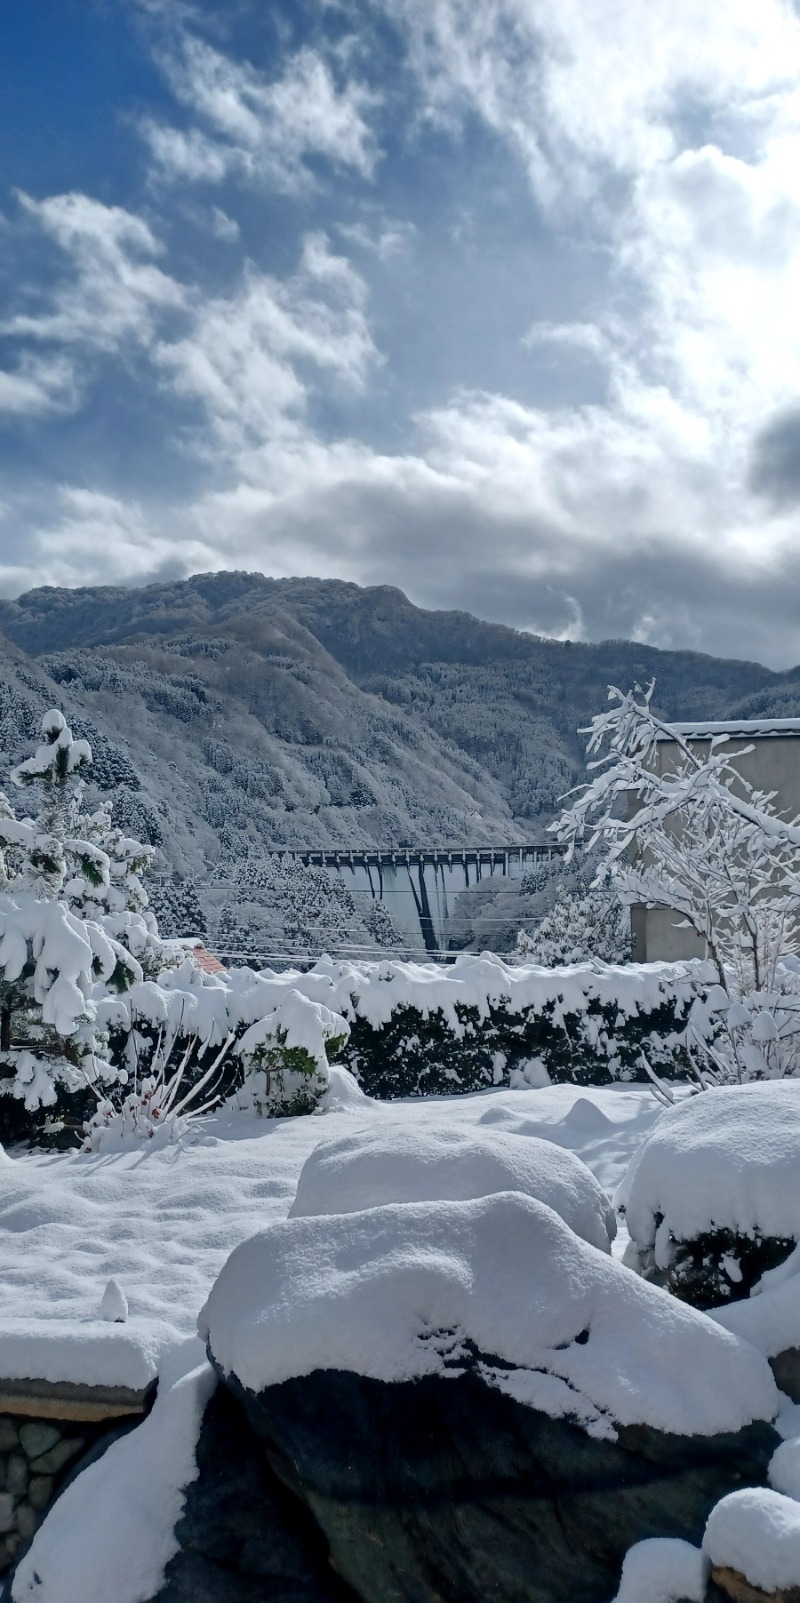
495 300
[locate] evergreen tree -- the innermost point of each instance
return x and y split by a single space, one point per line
579 928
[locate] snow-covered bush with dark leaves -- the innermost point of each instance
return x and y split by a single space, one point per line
711 1200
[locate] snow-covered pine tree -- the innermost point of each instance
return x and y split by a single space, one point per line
177 908
579 928
73 913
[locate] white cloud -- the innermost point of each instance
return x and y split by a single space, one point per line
582 339
389 239
251 358
115 291
223 226
38 387
572 87
258 129
90 533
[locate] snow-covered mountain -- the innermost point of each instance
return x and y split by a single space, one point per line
232 713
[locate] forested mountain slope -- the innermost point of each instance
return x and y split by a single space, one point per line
232 712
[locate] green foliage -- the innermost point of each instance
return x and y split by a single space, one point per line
282 1081
723 1266
420 1055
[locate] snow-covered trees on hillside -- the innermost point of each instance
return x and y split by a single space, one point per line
699 839
579 928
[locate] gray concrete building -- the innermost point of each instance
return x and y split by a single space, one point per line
772 764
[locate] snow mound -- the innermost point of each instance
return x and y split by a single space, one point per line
417 1289
727 1159
784 1469
371 1168
111 1533
770 1318
585 1115
756 1532
344 1094
663 1569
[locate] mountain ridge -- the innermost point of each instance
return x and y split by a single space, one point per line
233 714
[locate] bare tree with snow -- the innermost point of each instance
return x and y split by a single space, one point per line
699 839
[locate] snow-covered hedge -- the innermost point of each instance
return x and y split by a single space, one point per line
711 1200
425 1029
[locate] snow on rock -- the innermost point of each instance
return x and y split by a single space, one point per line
756 1532
727 1159
86 1352
382 1165
111 1533
784 1469
663 1570
398 1291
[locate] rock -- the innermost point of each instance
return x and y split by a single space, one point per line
40 1491
785 1367
243 1537
17 1474
7 1520
445 1488
734 1586
37 1438
50 1463
27 1521
9 1435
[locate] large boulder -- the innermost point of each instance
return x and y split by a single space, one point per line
474 1403
243 1537
416 1162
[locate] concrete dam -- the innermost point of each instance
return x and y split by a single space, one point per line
420 885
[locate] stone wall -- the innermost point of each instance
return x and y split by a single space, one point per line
35 1457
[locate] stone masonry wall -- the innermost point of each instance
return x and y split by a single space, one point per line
35 1457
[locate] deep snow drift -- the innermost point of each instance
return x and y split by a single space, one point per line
162 1222
377 1166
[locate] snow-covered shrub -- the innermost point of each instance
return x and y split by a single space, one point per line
428 1030
698 839
711 1200
579 928
160 1105
285 1055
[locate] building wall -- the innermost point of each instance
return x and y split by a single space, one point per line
773 764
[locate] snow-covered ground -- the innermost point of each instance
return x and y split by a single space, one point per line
162 1222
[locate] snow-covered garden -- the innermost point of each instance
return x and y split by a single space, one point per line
392 1281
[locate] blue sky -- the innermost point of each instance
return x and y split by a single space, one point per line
495 300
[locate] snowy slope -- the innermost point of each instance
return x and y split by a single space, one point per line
231 712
